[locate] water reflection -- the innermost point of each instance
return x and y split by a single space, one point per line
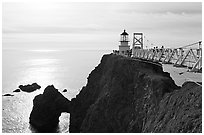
42 71
44 50
41 62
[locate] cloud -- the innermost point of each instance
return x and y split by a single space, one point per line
162 7
164 22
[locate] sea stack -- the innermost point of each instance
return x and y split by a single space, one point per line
47 108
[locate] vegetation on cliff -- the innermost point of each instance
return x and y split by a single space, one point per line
179 111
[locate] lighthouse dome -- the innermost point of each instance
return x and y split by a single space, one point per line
124 33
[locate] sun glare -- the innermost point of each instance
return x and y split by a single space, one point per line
41 71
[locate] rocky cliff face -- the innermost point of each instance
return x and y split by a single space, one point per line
179 111
121 95
125 95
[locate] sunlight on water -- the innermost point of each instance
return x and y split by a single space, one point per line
41 62
44 50
16 111
42 71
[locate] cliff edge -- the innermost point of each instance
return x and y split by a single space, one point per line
122 95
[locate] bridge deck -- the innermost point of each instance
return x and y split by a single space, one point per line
189 56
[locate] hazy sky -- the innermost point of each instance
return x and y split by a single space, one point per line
98 25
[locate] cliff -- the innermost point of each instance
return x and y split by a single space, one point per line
131 95
121 95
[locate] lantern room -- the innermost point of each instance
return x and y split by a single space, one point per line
124 37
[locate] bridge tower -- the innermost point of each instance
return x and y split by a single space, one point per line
138 40
124 48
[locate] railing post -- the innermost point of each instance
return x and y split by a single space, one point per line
200 49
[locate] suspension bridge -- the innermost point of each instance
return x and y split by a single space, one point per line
184 62
188 56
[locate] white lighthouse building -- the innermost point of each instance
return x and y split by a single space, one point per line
124 48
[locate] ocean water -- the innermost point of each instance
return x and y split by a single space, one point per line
65 69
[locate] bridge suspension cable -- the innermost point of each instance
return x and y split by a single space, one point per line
190 45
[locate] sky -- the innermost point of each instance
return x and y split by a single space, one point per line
89 25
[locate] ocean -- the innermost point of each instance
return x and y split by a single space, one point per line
64 68
181 75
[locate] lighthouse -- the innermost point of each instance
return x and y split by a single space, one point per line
124 48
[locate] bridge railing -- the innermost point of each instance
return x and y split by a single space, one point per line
189 56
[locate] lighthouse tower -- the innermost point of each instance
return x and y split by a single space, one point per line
124 48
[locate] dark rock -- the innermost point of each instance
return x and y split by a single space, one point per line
179 111
47 108
133 95
17 90
8 95
65 90
29 88
118 95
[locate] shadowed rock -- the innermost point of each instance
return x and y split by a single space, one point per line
130 95
65 90
178 112
119 93
17 90
47 108
30 88
8 95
